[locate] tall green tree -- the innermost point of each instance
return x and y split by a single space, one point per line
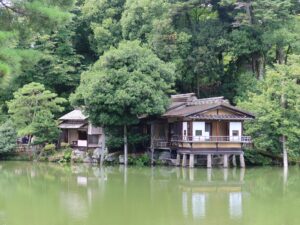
276 128
31 104
125 83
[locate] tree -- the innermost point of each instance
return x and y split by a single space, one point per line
276 127
31 104
8 137
19 20
45 128
125 83
139 16
102 19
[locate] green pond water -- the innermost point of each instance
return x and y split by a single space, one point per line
44 194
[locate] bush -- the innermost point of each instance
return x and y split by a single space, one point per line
143 160
64 145
67 155
8 137
49 148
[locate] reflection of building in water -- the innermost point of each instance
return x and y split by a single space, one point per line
200 197
235 204
198 201
198 205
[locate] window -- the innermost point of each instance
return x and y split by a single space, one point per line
198 132
94 139
208 127
184 133
82 135
235 133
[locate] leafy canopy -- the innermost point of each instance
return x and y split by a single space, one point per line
30 103
8 137
272 118
126 82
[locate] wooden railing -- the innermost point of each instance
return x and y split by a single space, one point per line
241 139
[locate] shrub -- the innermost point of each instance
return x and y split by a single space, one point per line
64 145
67 155
143 160
49 148
8 137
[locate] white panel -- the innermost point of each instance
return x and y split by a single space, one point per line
199 126
235 126
82 143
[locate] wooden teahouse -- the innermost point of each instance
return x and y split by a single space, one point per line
79 132
194 127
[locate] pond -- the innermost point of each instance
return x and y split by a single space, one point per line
51 194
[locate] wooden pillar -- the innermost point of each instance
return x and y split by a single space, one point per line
234 160
192 160
225 161
209 161
178 160
242 160
183 160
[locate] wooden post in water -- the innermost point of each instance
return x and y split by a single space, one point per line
209 161
178 160
225 161
183 160
192 160
242 160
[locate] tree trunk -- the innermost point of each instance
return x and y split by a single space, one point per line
284 148
261 67
125 146
285 154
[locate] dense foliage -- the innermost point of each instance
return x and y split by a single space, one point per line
241 49
32 111
8 137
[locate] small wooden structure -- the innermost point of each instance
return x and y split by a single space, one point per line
79 132
195 127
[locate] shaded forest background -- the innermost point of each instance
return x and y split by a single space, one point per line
247 51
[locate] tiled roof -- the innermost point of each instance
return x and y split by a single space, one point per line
189 105
219 117
76 114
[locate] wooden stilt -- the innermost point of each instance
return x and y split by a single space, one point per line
183 160
192 160
225 161
209 161
234 160
242 161
178 160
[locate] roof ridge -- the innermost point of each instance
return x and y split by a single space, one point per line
212 100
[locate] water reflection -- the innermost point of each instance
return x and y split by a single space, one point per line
199 192
83 194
